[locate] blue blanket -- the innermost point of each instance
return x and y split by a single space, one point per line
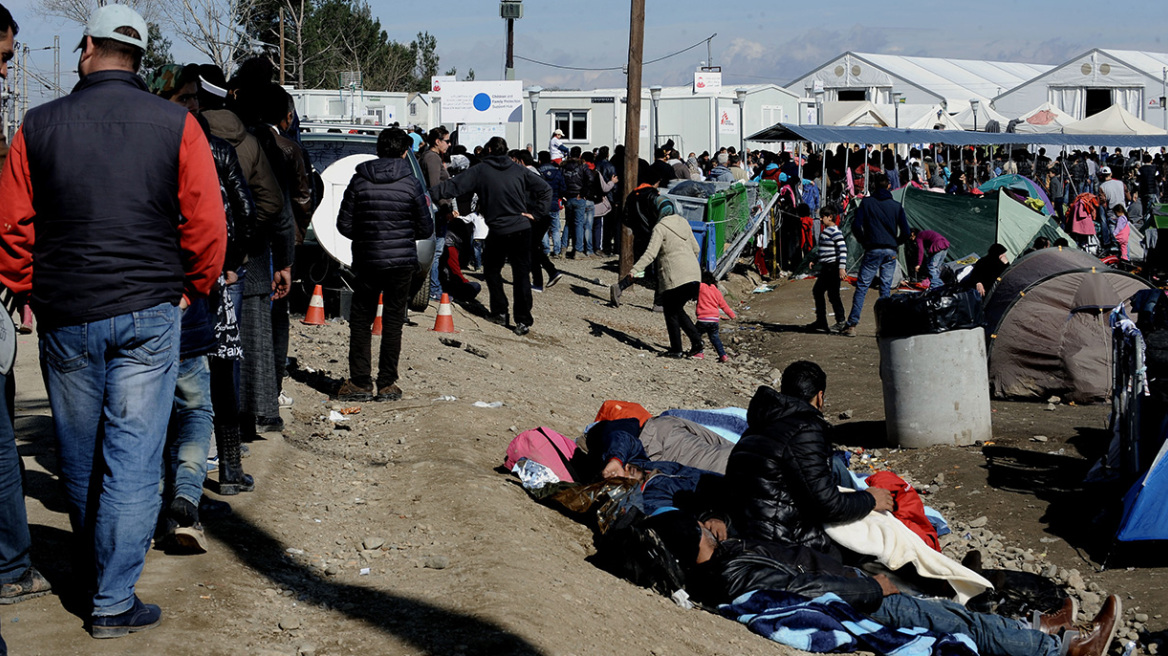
730 423
828 624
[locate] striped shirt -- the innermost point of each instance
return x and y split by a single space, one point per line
832 247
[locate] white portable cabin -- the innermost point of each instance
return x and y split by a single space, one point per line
1092 82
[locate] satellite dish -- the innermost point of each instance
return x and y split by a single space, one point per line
336 179
7 331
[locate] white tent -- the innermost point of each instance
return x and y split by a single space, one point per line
926 117
1113 120
984 116
1044 119
856 113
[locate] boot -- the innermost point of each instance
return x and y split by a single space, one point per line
232 480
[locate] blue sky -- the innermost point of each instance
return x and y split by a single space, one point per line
755 43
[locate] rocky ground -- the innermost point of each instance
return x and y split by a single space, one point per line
394 530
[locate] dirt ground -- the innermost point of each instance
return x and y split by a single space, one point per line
397 532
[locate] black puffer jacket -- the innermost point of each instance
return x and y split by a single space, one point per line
384 212
506 192
779 475
741 566
237 201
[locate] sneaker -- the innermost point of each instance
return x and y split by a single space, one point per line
212 463
350 392
700 355
723 358
30 585
139 618
536 290
838 326
675 355
554 279
190 539
521 329
500 319
848 331
388 393
614 294
285 400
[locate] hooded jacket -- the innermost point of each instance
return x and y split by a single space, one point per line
265 188
880 222
506 192
675 250
384 211
780 484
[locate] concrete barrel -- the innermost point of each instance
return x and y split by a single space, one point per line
936 388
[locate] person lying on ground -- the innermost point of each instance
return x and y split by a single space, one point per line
780 484
661 438
718 571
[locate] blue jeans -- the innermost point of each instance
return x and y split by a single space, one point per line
994 635
435 286
14 536
935 263
551 240
192 421
877 260
107 382
580 216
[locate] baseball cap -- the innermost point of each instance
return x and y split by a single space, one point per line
106 19
1106 170
558 133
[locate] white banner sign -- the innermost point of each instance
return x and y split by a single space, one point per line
439 81
482 102
726 122
707 83
478 135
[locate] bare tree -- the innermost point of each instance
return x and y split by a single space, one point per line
213 27
304 49
79 11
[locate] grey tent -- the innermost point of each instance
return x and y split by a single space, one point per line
1048 329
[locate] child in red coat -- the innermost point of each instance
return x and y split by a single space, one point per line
710 305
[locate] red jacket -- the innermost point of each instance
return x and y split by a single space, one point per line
127 211
910 510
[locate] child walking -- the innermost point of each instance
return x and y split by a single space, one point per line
710 305
833 267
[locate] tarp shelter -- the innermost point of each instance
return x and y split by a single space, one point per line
1047 322
1044 119
985 114
1145 515
971 223
1020 184
926 117
1113 120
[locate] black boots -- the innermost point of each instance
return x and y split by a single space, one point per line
232 480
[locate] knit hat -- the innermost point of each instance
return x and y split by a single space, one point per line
664 206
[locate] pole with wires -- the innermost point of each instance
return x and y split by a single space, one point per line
57 65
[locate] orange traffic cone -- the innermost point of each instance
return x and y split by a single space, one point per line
444 323
377 319
315 314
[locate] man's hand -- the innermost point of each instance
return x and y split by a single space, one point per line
843 273
717 527
183 304
613 469
230 277
281 283
886 586
883 499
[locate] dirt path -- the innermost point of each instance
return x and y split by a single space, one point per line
395 532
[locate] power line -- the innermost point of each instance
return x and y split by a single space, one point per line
617 68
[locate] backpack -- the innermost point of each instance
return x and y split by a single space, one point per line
548 448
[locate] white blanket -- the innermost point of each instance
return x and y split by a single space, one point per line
892 543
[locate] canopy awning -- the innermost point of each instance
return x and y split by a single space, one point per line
823 134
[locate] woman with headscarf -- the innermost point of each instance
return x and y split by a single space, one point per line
675 252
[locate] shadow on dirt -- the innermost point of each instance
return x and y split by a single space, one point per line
320 381
601 330
867 434
426 627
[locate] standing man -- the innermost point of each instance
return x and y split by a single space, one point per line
126 225
19 580
880 226
384 212
510 196
932 247
1149 179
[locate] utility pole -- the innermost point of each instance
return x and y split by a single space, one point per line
23 83
57 65
632 123
509 10
281 46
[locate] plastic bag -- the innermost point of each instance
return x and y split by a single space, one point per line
533 475
935 311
